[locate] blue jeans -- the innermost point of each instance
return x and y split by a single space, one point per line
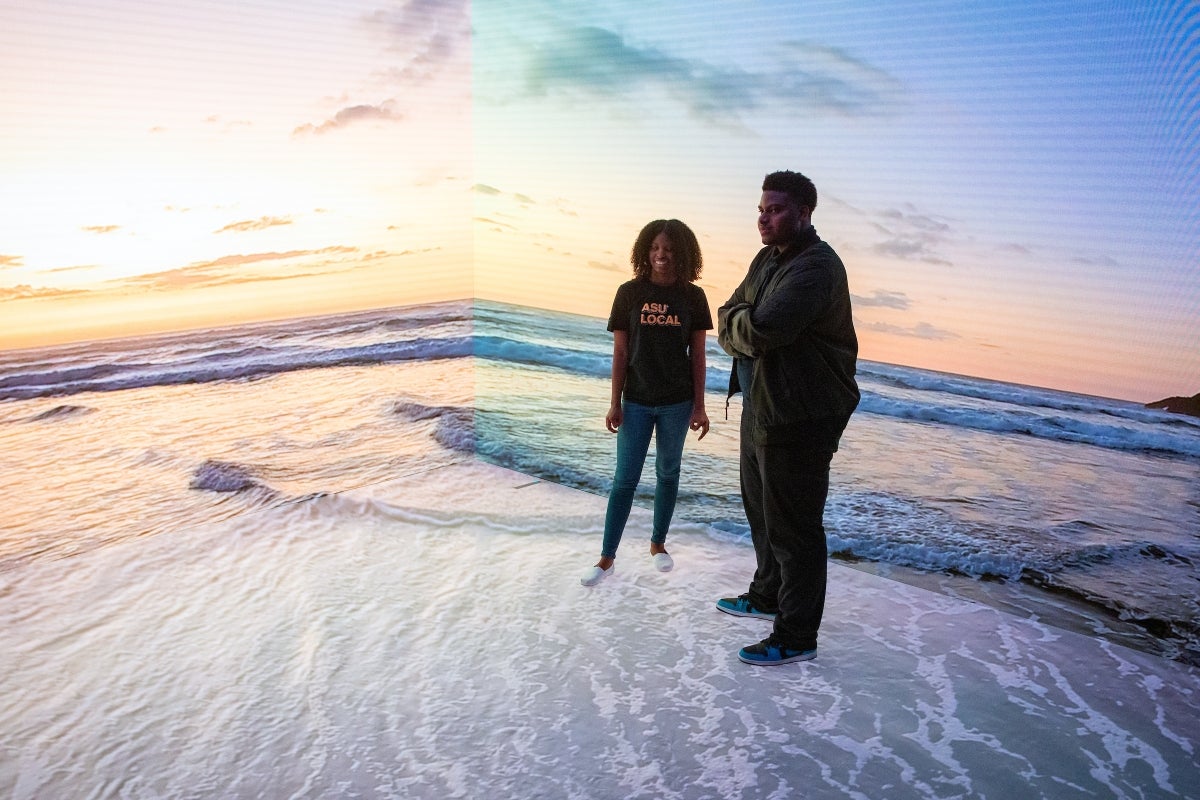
669 424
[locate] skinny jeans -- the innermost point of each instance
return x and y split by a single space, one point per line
669 427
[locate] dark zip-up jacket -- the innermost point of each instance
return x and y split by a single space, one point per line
789 328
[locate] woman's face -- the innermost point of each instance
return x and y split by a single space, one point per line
662 259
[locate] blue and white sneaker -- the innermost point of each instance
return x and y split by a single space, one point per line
741 607
769 653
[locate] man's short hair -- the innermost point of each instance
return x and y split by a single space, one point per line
797 187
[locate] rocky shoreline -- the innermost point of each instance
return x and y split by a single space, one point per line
1179 405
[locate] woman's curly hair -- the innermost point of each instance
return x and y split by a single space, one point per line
685 248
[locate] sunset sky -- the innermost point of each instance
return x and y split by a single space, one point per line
175 165
1013 186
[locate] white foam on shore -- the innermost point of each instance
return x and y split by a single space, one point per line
429 638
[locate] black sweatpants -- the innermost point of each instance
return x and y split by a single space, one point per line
784 488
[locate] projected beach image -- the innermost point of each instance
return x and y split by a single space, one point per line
304 366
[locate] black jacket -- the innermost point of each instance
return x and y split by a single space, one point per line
791 319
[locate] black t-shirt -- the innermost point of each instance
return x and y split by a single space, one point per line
660 321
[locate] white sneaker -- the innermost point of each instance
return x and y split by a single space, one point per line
663 562
594 575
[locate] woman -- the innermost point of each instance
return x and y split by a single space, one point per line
658 322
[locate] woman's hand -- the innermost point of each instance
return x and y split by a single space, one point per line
699 422
615 416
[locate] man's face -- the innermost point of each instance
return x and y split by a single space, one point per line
780 219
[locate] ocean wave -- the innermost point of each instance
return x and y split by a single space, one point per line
455 429
577 361
240 364
24 385
931 556
1010 410
1132 552
593 364
883 528
58 412
992 391
410 321
246 354
492 452
1167 440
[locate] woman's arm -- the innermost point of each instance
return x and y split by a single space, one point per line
620 366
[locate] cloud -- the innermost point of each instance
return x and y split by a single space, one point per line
100 228
599 60
1019 249
830 79
911 219
911 236
883 299
350 116
492 191
805 78
238 269
76 268
26 292
254 258
426 34
1107 262
10 261
496 224
230 269
227 125
422 38
922 330
908 250
255 224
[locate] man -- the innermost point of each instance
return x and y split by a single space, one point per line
789 328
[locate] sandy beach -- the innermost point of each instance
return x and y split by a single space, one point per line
379 644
